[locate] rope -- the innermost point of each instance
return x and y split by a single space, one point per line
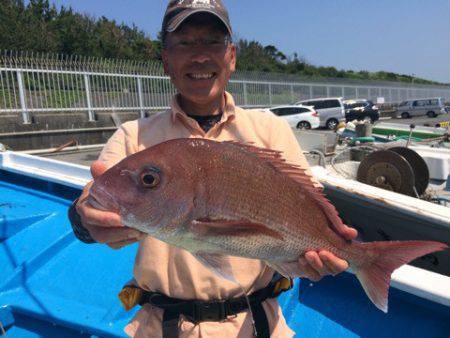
255 333
3 330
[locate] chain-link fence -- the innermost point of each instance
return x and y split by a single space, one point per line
40 82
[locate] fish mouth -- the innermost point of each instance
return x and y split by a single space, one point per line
102 200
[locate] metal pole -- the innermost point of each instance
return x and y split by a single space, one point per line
292 94
357 92
141 101
270 94
245 94
310 92
328 91
88 98
23 103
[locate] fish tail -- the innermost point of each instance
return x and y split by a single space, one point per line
382 258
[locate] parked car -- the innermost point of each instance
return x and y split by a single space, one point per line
431 107
299 117
361 110
331 110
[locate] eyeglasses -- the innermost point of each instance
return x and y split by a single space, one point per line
214 45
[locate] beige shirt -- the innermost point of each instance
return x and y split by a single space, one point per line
175 272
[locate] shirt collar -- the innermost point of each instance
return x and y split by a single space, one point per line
229 110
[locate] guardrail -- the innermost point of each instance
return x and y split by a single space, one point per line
34 83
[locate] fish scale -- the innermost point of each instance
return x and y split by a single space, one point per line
219 199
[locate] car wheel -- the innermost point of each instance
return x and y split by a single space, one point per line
303 125
405 115
332 124
431 114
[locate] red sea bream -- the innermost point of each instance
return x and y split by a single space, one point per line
218 199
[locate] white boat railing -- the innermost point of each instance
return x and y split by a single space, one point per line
381 196
73 175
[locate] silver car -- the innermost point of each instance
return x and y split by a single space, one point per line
431 107
331 110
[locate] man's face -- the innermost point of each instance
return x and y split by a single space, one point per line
199 60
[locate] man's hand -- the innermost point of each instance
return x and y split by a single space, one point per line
316 265
104 226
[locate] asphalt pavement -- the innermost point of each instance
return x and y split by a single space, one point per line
420 120
83 157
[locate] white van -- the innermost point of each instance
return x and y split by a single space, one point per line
431 107
331 110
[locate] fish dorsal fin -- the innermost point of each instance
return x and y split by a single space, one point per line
250 147
299 175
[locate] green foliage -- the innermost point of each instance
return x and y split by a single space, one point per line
7 99
252 56
41 27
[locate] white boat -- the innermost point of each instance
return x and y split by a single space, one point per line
48 278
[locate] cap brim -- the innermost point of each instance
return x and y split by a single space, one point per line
176 21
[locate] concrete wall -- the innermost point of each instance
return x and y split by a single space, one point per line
49 130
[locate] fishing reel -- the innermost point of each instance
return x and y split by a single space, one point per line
397 169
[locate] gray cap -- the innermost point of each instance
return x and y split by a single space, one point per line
179 10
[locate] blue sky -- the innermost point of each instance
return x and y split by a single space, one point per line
402 36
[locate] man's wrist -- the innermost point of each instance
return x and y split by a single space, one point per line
78 229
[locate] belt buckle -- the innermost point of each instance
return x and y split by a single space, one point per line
209 311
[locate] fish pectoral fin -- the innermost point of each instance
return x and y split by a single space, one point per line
221 227
287 269
219 264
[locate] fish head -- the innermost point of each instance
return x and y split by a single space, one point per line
150 189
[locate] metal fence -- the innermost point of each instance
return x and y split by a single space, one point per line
33 83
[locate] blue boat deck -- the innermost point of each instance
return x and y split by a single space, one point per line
49 280
52 285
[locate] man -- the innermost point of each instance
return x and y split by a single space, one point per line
199 57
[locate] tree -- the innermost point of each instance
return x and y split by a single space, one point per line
41 27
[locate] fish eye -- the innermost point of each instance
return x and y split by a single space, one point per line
150 179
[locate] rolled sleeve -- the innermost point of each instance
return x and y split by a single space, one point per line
118 146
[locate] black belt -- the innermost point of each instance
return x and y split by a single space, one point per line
171 318
198 311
